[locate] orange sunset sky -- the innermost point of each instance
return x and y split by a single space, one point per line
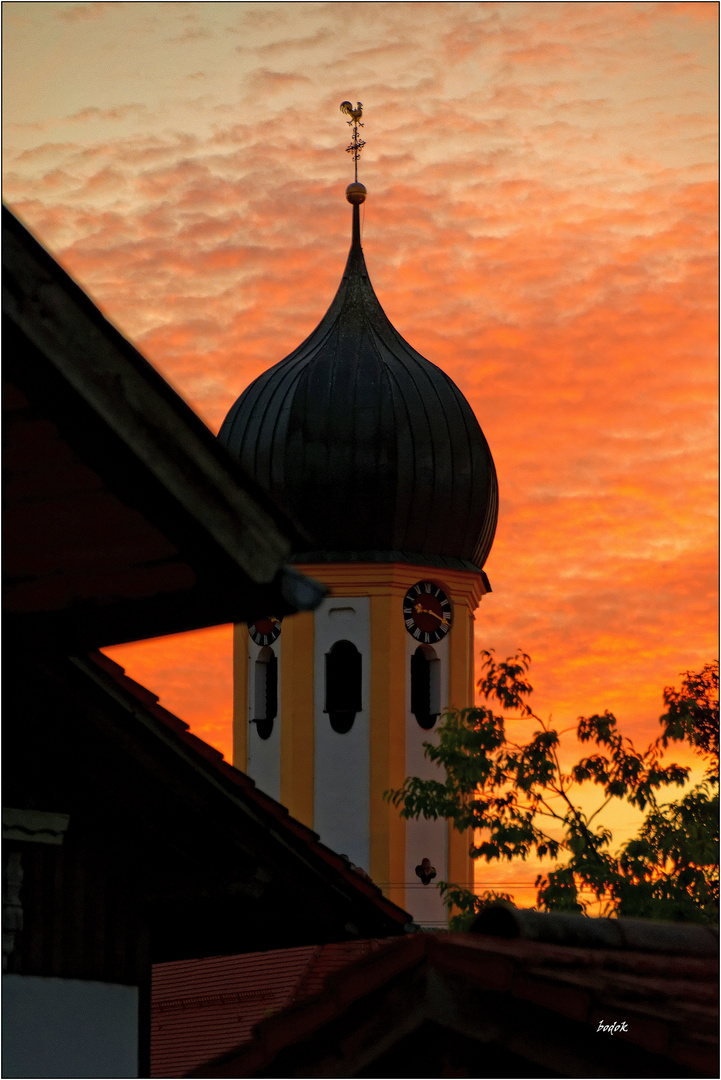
541 223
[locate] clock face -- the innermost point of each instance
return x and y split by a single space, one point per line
427 612
265 631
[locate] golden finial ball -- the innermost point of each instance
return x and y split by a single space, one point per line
355 193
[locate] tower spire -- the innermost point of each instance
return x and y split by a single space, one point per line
355 192
379 457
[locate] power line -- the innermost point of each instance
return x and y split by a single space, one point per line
470 885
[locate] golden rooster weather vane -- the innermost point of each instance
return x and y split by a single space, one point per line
357 144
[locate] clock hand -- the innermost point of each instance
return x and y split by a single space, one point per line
425 611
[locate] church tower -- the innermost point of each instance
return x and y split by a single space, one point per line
377 454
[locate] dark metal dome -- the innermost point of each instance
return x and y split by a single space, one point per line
371 447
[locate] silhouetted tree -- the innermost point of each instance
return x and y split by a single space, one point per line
525 804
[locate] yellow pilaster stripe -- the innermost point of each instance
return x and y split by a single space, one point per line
297 708
387 740
240 696
458 654
460 696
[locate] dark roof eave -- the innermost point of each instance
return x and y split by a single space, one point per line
128 394
224 598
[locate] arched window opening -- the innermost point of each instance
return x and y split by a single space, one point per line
266 692
343 669
425 686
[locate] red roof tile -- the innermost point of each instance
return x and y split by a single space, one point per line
669 1002
202 1008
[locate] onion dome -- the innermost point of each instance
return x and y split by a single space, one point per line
372 448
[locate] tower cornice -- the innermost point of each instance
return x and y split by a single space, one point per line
377 579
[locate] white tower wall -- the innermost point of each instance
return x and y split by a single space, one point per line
342 761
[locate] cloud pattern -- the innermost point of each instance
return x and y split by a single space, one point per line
541 223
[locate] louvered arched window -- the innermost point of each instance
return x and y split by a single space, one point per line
266 692
425 686
343 672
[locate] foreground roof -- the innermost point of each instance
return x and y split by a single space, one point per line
306 875
202 1008
123 516
373 448
438 1005
210 863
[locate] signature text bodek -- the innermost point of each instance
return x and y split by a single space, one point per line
611 1029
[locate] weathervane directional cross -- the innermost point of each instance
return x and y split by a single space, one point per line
357 144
